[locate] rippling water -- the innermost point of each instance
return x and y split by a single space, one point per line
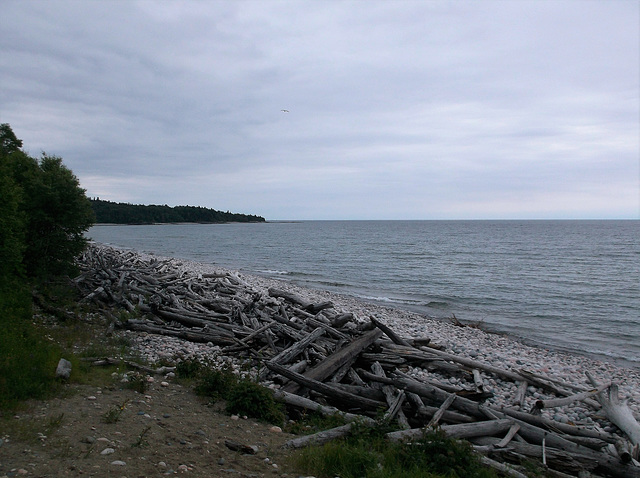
569 285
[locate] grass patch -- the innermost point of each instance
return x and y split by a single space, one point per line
27 359
366 453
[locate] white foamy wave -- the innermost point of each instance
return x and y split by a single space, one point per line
273 272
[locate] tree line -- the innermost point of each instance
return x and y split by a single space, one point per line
108 212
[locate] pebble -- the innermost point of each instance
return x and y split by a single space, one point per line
275 429
107 451
118 463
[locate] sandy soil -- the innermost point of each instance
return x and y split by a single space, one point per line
167 430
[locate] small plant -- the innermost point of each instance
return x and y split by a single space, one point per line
113 414
53 423
140 441
137 382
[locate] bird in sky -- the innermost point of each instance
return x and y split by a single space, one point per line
285 111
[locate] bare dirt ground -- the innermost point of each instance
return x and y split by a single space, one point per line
166 430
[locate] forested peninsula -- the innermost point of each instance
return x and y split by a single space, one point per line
108 212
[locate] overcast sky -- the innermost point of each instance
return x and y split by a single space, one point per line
396 109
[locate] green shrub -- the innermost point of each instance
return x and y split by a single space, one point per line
243 396
188 369
215 384
252 399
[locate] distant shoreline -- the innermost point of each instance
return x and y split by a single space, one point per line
174 223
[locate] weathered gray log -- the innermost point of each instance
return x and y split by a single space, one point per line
241 447
536 435
320 437
345 355
113 361
289 296
395 338
477 380
443 408
509 436
502 467
341 320
392 398
308 404
463 430
562 389
618 412
553 425
560 459
561 402
395 410
434 394
509 375
362 391
521 393
186 334
326 389
292 352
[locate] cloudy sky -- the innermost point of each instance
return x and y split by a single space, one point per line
396 109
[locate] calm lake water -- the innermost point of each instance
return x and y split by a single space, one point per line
568 285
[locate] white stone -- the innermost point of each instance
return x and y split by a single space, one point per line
64 369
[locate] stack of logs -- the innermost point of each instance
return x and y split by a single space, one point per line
327 361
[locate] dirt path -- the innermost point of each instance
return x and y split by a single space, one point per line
167 430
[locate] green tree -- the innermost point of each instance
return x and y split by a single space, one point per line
12 218
45 212
9 143
12 243
58 213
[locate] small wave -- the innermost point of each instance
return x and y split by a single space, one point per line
437 304
391 300
333 284
274 272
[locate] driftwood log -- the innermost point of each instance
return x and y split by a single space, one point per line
326 360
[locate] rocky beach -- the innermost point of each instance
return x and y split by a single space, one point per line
547 400
464 341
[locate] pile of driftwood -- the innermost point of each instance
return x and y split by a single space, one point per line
326 361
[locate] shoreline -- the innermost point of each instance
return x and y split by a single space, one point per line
506 352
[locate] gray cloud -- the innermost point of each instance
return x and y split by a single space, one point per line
397 109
